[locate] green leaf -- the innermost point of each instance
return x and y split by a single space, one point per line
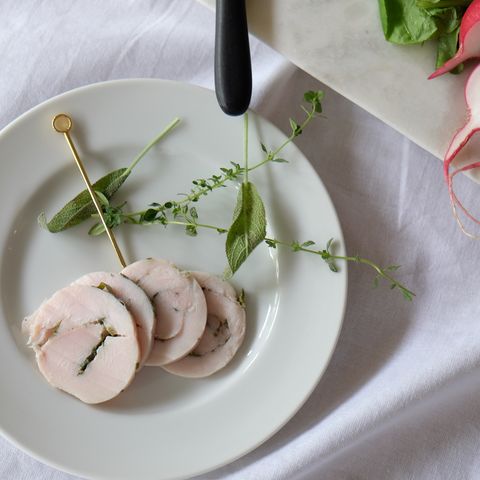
447 48
296 130
332 266
407 295
392 268
295 246
191 230
102 198
329 245
314 98
241 299
279 160
248 228
447 19
404 22
96 230
264 148
81 207
149 215
193 213
308 243
443 3
271 243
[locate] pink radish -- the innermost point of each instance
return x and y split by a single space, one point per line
468 39
460 139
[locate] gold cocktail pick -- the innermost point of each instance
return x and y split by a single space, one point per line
62 123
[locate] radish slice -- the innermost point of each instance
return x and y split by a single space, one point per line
179 305
468 40
223 334
136 301
460 139
85 343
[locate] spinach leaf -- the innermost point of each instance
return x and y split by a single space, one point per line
446 19
443 3
405 23
447 48
408 22
415 21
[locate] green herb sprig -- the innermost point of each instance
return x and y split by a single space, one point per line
81 207
326 254
249 225
174 209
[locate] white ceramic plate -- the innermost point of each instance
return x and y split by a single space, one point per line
162 427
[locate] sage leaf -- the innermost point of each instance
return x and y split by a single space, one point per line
81 207
249 226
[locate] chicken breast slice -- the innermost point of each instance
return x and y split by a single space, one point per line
136 301
85 342
223 334
89 363
179 305
73 306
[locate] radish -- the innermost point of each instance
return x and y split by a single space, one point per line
460 139
468 38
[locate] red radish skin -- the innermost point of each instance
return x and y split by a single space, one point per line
459 140
468 40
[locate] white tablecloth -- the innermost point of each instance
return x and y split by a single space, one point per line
400 397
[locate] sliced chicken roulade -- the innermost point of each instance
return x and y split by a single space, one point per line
85 342
223 334
179 306
136 301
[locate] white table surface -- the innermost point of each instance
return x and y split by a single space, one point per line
399 399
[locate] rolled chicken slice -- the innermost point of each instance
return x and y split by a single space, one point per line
73 306
136 301
85 342
223 334
179 305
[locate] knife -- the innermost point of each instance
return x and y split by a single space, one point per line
233 70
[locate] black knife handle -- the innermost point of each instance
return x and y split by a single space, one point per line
233 70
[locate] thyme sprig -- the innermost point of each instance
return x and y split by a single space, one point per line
234 172
326 254
330 258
